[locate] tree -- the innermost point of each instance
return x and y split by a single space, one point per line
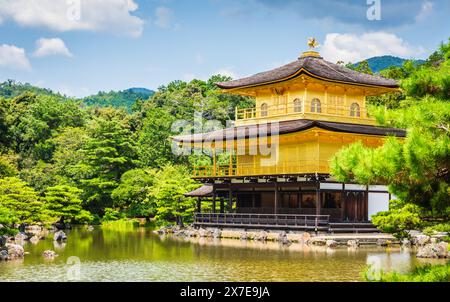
154 145
416 168
64 201
133 193
23 201
108 153
170 186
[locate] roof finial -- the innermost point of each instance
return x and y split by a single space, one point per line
313 44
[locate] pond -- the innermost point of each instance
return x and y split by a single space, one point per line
139 255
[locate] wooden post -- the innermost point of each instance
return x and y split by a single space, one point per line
276 198
199 205
318 204
230 201
222 206
214 203
214 161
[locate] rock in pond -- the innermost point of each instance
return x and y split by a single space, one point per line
332 243
14 251
283 239
353 243
35 239
59 236
20 237
261 236
217 233
433 250
406 243
422 240
50 254
89 228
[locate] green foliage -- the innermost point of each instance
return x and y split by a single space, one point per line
108 153
133 193
64 201
398 220
428 273
8 165
170 186
121 99
416 168
154 145
112 215
441 227
361 67
23 202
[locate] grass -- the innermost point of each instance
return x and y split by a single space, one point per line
428 273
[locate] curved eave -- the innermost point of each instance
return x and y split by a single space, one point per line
298 74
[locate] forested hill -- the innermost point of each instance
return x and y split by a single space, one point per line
121 99
378 64
11 89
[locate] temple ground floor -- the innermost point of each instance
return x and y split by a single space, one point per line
288 203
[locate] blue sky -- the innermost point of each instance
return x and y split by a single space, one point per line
79 47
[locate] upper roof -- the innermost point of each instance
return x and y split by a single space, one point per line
315 66
286 127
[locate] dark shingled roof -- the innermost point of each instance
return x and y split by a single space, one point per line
204 191
286 127
313 66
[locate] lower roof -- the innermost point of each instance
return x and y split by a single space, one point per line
286 127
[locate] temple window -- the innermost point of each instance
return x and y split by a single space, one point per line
316 106
264 110
355 110
298 105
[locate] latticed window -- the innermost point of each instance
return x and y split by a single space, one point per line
316 106
355 110
264 110
298 105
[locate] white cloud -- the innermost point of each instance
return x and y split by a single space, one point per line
427 8
67 15
164 17
355 48
51 47
13 57
227 72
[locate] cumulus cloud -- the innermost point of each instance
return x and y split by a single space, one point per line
67 15
51 47
227 72
355 48
163 17
13 57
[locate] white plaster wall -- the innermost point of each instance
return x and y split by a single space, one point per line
378 202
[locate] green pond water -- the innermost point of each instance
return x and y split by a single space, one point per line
139 255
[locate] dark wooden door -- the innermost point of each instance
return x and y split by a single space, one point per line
355 207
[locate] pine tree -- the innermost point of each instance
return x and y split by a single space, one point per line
64 202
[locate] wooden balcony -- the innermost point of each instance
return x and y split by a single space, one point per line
329 113
264 221
243 169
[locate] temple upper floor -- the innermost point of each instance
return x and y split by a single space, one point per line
309 88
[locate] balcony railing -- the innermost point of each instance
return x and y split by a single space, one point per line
282 168
324 111
305 222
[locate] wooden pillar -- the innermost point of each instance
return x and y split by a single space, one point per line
230 201
199 205
276 198
222 206
318 201
214 162
214 203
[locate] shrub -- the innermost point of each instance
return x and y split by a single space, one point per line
398 221
428 273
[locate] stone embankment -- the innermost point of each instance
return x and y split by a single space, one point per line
426 246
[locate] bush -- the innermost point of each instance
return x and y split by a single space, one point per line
442 227
428 273
398 221
112 215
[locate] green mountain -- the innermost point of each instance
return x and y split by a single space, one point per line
11 89
378 64
118 99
